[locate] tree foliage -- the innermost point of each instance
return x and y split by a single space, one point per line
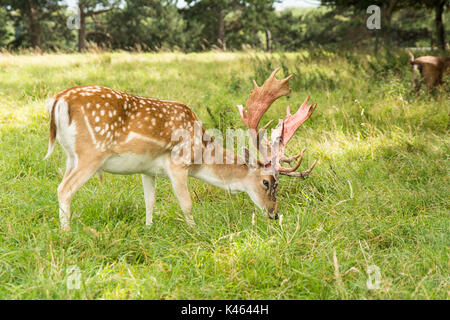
149 24
208 24
37 23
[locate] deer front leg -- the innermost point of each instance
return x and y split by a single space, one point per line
178 176
149 195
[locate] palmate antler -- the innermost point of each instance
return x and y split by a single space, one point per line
261 98
272 153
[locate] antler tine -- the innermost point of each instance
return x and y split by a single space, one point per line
261 132
299 162
288 126
261 98
290 159
302 174
293 122
265 126
261 142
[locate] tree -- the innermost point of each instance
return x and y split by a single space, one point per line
234 21
439 7
91 8
5 27
38 23
388 7
33 11
148 24
211 13
258 16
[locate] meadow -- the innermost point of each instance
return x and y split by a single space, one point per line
378 196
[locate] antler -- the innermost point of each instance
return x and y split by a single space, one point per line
283 134
261 98
293 122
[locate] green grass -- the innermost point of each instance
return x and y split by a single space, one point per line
379 195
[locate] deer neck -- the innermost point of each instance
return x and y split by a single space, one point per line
231 175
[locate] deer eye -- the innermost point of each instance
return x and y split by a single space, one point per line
266 183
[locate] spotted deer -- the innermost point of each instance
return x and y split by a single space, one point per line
102 129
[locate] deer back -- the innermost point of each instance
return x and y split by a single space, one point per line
111 119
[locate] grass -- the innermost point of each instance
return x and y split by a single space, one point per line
379 195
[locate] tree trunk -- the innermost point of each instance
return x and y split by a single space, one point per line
387 30
34 27
440 30
82 30
377 36
221 30
389 10
268 40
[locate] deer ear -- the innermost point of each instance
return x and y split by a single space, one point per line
249 160
246 156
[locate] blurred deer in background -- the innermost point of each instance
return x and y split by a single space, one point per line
432 69
102 129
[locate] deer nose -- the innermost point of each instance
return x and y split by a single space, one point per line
273 216
272 213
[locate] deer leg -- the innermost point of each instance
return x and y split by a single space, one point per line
149 195
101 177
416 81
70 184
71 161
179 184
69 167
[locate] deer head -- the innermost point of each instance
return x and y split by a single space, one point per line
266 171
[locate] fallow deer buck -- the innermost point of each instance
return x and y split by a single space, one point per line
102 129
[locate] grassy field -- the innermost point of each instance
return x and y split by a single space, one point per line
378 197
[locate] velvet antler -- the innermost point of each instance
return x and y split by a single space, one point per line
290 124
260 100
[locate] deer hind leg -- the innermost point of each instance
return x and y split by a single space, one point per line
430 75
416 75
149 195
179 176
70 164
70 184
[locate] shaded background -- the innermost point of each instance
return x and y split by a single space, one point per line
198 25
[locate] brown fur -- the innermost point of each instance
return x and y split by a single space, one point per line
432 69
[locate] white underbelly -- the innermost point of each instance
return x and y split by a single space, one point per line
129 163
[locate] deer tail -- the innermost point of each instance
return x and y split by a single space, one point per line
411 57
52 137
